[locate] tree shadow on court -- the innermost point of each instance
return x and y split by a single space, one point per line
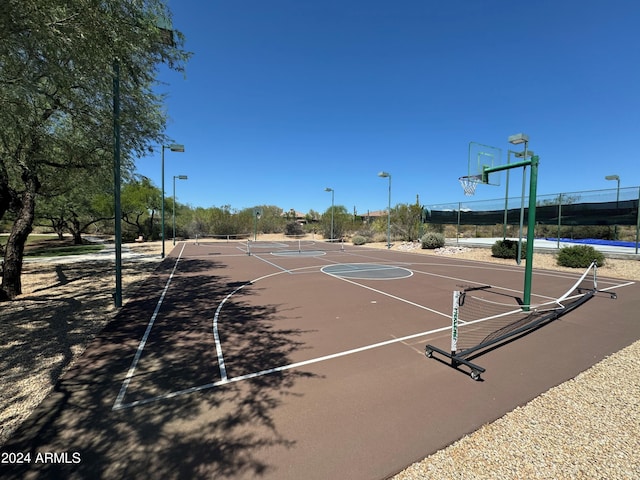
44 330
221 432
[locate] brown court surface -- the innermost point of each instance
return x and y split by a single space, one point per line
228 365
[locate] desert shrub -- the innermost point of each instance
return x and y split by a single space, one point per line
507 249
432 240
358 240
379 237
579 256
366 233
293 228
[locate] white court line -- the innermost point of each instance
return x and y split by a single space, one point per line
216 336
363 267
617 286
492 286
136 358
224 378
279 369
271 263
388 295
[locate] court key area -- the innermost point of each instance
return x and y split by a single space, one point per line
303 359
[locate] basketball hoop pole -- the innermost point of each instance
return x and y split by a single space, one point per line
531 217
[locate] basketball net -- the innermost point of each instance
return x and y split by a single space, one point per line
469 184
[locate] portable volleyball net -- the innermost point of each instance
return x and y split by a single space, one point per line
484 317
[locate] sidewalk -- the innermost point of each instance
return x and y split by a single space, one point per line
107 254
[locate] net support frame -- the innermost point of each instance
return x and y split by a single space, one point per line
460 357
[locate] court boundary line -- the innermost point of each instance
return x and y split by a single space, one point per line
291 366
118 404
143 342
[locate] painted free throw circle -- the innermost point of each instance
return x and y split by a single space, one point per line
366 271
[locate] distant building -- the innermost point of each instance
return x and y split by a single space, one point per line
296 216
369 216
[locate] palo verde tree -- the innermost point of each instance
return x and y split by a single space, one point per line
140 202
405 220
73 202
57 64
341 221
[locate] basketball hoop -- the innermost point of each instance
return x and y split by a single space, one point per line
469 184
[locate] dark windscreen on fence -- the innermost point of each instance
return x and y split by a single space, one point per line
581 208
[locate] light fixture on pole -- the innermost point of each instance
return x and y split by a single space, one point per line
518 138
617 179
257 213
388 175
174 147
332 194
179 177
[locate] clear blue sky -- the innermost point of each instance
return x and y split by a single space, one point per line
284 98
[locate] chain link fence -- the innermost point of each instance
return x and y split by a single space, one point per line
555 214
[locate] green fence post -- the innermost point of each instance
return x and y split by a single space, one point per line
559 221
458 229
638 222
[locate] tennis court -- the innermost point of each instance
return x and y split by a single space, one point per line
302 359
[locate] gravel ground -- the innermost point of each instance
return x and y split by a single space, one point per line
63 306
586 428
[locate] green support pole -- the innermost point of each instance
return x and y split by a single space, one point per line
506 200
162 215
389 217
117 297
533 187
531 230
638 223
255 226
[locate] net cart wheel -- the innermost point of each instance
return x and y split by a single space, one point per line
475 375
428 352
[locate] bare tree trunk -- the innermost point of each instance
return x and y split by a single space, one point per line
76 230
14 250
5 191
151 235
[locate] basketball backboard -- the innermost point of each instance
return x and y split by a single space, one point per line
481 156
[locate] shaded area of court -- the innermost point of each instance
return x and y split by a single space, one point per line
313 374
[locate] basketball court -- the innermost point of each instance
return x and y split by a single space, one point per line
302 359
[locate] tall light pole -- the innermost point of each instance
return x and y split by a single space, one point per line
174 147
164 24
117 297
332 193
179 177
388 175
516 140
617 179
